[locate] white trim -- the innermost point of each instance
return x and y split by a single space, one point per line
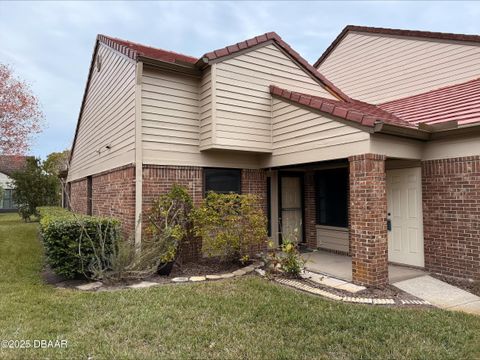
138 155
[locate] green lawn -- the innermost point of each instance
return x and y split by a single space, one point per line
244 318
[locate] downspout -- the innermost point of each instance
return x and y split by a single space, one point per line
138 155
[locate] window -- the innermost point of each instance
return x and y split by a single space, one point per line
331 191
222 181
7 201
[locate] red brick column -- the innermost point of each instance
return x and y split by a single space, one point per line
451 216
368 227
309 204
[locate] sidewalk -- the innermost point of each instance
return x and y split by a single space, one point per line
441 294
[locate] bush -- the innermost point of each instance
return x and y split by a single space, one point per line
230 225
169 223
34 188
52 211
75 245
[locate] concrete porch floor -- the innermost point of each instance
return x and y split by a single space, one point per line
340 266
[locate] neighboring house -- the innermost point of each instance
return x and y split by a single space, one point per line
8 165
381 161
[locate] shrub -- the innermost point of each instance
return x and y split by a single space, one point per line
230 225
169 223
288 260
76 245
52 211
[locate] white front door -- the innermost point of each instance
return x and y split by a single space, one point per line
404 203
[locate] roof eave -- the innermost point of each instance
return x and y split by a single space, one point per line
166 65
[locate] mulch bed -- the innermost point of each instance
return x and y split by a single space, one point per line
389 292
467 285
199 268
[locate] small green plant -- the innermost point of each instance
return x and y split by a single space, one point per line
292 262
169 223
230 225
287 259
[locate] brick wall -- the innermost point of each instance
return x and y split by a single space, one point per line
160 179
113 194
368 228
451 216
254 181
309 204
78 196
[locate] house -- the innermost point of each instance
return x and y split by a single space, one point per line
373 152
8 165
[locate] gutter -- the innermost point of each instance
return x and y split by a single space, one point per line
425 134
411 133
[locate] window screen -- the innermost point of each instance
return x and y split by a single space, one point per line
331 193
222 181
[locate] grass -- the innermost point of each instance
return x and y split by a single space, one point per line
244 318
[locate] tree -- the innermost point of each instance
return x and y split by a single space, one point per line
56 162
34 187
56 165
20 114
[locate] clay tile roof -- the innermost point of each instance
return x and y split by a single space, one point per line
132 50
396 32
274 37
11 163
355 111
460 102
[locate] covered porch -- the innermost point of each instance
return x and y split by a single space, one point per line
340 267
361 213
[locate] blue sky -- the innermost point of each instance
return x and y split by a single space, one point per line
50 43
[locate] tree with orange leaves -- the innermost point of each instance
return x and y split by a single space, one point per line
20 114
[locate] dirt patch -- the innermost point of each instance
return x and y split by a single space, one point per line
467 285
50 278
389 292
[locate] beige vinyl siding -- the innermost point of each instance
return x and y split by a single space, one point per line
205 108
170 118
108 118
332 238
379 68
243 101
176 110
301 136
